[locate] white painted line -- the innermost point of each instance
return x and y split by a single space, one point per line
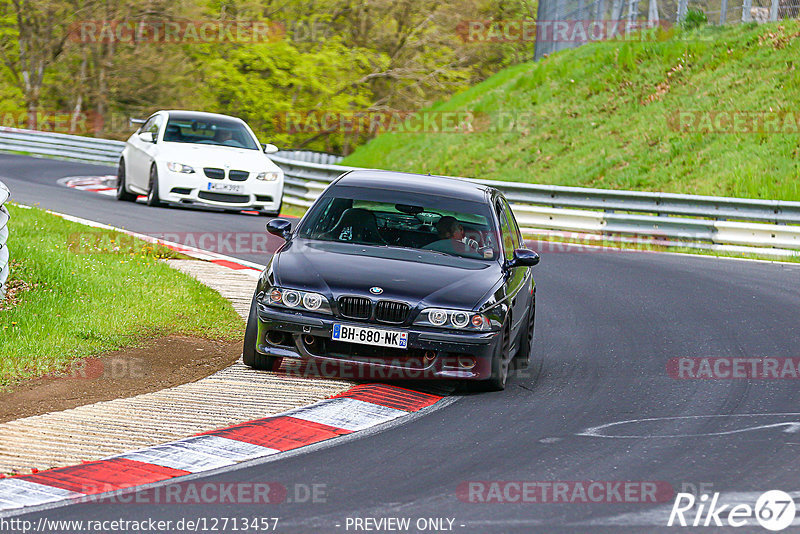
199 453
178 456
238 451
18 493
346 413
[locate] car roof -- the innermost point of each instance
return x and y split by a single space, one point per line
189 115
415 183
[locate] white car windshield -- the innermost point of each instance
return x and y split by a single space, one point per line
209 132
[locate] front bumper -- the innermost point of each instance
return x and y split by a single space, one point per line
431 354
192 189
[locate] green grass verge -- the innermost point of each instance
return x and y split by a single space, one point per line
603 115
80 291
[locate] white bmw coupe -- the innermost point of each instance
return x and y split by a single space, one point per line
190 157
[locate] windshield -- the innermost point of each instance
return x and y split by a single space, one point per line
209 132
438 225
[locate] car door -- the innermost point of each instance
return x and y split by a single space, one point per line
515 277
142 153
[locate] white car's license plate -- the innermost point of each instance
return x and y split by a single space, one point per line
370 336
225 188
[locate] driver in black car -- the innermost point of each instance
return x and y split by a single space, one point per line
452 239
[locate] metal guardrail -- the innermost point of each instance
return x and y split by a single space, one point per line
659 216
61 146
5 259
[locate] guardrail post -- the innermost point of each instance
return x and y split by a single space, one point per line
5 259
746 7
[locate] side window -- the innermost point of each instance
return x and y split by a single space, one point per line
146 126
516 234
505 230
154 126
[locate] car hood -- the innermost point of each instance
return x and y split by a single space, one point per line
419 277
200 156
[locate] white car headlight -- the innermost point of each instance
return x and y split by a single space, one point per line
457 319
269 176
300 300
180 167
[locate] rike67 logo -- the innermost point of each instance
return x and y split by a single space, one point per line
774 510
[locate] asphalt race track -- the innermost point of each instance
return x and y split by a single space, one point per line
607 325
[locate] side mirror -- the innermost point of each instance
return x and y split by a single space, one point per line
270 149
280 227
147 137
523 257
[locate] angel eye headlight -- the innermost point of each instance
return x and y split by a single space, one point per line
459 319
437 317
270 176
454 319
291 298
296 299
312 301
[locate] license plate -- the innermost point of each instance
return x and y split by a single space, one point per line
370 336
226 188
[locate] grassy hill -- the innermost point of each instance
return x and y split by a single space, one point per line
607 115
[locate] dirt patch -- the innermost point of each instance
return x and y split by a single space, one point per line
157 365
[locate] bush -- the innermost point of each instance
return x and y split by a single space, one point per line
694 19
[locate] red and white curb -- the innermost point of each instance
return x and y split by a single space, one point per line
357 409
103 185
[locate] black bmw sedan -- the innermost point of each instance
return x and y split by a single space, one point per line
393 275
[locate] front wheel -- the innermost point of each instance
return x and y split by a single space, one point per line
500 362
122 189
523 358
153 198
250 356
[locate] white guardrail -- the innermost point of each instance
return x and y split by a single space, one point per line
664 218
5 259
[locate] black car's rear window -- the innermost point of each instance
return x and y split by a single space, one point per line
379 217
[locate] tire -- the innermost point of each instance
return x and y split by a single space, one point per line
500 362
152 195
122 191
522 360
250 356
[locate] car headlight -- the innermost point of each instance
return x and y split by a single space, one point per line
179 167
458 319
270 176
292 298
